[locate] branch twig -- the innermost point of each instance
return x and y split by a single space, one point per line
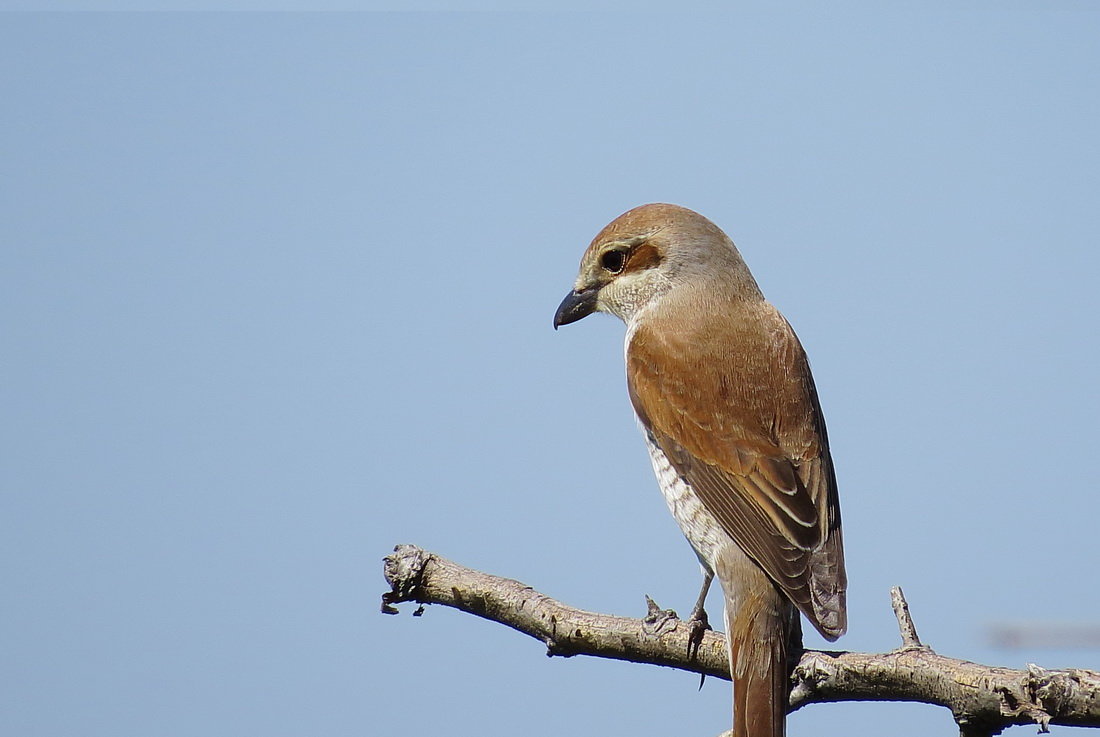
983 699
908 630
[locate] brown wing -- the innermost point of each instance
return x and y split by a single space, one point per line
732 404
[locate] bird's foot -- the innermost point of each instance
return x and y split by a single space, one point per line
698 624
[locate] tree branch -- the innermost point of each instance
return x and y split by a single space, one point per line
983 699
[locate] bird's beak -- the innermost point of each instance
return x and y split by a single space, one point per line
575 306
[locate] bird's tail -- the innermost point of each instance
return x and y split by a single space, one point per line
762 626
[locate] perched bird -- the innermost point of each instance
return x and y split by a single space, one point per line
724 396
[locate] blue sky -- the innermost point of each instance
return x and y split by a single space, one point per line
278 294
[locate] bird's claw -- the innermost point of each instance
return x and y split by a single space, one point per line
698 624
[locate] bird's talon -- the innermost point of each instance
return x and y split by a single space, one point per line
698 624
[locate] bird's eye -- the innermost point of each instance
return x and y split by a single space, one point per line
613 261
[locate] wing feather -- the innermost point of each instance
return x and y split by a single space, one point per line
732 404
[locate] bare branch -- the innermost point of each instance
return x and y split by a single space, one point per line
983 699
661 639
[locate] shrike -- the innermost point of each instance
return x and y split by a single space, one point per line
723 393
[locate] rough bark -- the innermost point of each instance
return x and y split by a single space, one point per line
983 699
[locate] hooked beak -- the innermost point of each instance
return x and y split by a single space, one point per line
575 306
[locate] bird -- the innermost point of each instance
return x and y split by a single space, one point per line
722 390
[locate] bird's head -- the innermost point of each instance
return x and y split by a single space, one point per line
647 252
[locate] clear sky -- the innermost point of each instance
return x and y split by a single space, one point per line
277 295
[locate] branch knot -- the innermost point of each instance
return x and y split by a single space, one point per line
404 571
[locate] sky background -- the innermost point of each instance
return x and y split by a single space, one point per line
277 295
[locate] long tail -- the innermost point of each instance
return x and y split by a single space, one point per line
761 625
